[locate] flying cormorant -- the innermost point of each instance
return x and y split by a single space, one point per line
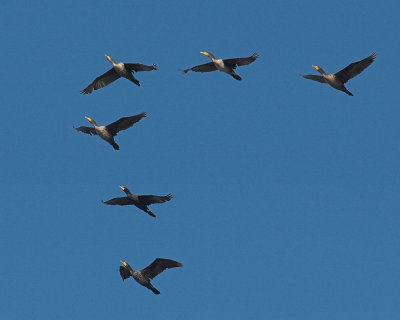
119 69
140 201
338 79
225 65
143 276
108 133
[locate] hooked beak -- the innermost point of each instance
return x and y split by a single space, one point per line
205 53
123 188
123 262
89 119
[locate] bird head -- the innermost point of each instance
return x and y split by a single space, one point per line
125 189
110 59
124 263
208 54
90 120
319 69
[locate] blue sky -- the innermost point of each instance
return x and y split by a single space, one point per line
286 191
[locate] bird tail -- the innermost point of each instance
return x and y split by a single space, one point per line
150 213
237 77
348 92
134 80
115 146
155 291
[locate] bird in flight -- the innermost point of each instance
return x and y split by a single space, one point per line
145 275
140 201
225 65
108 132
338 79
119 69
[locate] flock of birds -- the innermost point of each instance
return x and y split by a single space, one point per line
108 132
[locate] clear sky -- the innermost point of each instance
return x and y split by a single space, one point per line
286 191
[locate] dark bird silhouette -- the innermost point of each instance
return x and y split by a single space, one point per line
225 65
140 201
119 69
108 132
338 79
143 276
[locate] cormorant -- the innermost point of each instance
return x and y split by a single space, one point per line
143 276
119 69
225 65
338 79
140 201
108 132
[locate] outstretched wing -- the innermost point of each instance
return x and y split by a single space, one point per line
102 81
149 199
124 123
207 67
88 130
135 67
313 77
158 266
234 62
355 68
124 272
122 201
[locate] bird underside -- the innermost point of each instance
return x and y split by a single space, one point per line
221 66
329 79
332 80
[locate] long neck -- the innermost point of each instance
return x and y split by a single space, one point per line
211 56
126 190
111 60
129 267
320 70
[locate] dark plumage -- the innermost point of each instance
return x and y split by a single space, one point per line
119 69
225 65
143 276
338 79
108 132
140 201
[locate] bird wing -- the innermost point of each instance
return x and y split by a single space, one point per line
234 62
313 77
149 199
124 123
122 201
139 67
88 130
101 81
207 67
124 272
355 68
158 266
